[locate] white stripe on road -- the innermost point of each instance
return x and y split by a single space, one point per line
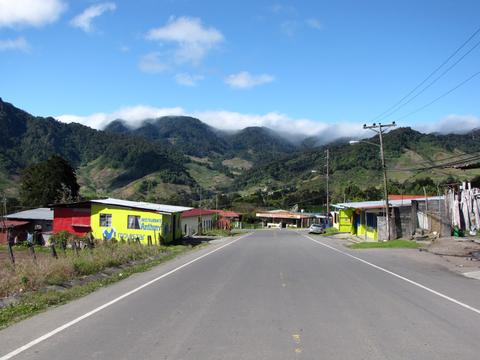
104 306
446 297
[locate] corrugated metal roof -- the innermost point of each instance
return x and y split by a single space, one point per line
197 212
142 205
33 214
227 213
12 223
381 203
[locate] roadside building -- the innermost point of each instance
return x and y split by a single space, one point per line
120 219
17 228
27 221
197 221
367 220
228 219
285 218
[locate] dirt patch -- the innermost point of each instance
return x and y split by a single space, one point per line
460 254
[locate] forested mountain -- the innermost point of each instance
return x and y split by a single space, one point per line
259 144
195 138
411 157
187 134
27 140
181 159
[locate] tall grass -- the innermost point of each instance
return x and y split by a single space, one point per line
28 275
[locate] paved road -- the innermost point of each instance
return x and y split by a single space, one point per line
270 295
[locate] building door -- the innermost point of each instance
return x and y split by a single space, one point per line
174 226
358 222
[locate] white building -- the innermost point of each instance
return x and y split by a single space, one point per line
197 221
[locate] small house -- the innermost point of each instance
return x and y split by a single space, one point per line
120 219
229 219
27 221
367 220
284 218
196 221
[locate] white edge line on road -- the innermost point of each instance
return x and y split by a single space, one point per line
446 297
100 308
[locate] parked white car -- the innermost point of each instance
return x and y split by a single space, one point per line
316 229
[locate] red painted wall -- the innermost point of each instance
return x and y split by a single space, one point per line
74 220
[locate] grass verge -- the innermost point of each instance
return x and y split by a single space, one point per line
221 232
36 302
392 244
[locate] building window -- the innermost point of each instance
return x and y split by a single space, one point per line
105 220
133 222
371 221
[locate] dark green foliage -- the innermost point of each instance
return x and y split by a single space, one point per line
27 140
353 166
187 134
192 137
258 144
48 182
353 193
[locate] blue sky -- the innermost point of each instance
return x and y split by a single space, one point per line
301 66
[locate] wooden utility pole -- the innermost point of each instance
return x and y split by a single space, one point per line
380 132
328 193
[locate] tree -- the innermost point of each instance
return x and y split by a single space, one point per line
353 192
48 182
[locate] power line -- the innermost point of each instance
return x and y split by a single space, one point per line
443 165
441 96
433 81
383 114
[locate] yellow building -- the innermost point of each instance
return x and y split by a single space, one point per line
121 220
358 218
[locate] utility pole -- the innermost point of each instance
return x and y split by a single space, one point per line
380 132
328 193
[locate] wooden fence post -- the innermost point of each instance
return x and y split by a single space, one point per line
32 251
10 253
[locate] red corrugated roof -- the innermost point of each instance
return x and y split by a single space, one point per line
406 197
12 223
197 212
227 214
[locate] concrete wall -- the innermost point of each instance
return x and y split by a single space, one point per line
402 219
382 228
190 225
436 213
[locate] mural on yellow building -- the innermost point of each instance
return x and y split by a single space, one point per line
114 222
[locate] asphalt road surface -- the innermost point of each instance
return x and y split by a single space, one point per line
268 295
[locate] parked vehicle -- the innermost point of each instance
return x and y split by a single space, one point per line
316 229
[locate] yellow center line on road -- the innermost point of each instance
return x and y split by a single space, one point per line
297 340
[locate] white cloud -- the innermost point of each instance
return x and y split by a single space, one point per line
314 23
452 124
192 40
30 12
84 20
14 44
245 80
132 115
293 127
188 79
152 63
224 120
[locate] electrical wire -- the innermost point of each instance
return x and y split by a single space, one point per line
383 114
440 97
